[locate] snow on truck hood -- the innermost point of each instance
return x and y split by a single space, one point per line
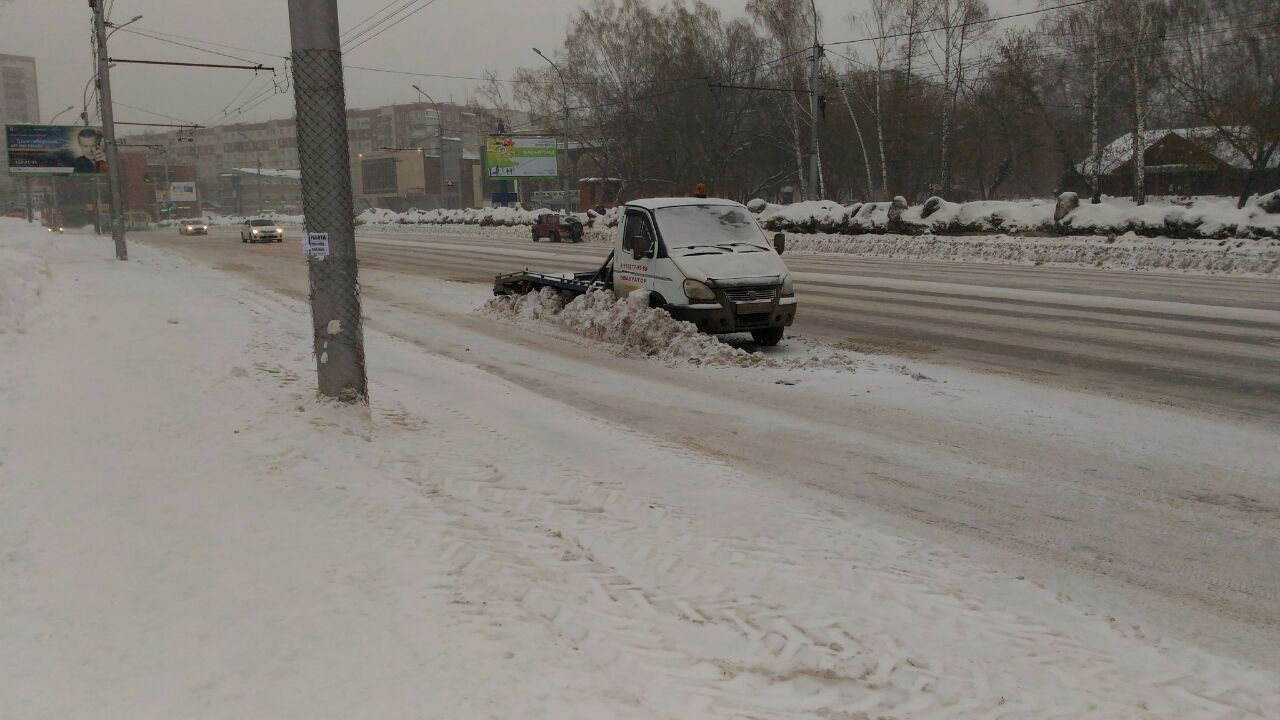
761 265
717 242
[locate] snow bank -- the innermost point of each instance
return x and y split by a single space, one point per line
497 216
1203 218
1126 252
223 220
637 330
23 271
1200 218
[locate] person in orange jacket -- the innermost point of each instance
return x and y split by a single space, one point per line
700 190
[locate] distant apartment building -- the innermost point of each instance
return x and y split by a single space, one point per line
19 103
228 157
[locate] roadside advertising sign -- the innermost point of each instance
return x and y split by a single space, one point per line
55 150
521 157
182 192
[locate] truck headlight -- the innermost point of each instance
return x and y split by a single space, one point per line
788 287
698 290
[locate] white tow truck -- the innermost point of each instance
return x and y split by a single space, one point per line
702 260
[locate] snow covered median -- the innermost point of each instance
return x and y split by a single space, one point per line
1127 252
188 533
1203 218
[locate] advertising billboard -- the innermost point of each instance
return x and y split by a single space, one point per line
55 150
521 157
182 192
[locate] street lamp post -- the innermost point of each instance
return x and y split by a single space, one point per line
57 201
439 141
564 88
60 113
257 184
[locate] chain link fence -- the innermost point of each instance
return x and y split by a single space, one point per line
327 206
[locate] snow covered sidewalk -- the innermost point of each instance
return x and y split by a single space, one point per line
186 532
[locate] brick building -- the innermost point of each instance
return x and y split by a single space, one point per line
220 152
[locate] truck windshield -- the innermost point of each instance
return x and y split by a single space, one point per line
708 225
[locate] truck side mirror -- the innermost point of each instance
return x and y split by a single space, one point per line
780 243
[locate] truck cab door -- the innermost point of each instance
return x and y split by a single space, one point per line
634 260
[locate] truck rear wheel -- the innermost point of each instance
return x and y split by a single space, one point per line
768 337
534 232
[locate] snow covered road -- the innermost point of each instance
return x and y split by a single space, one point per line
1177 511
527 525
1211 343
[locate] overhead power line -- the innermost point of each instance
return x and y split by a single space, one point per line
415 11
201 41
157 38
355 28
163 125
126 61
411 73
985 21
152 112
356 35
1155 37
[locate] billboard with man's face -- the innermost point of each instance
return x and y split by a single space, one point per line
55 150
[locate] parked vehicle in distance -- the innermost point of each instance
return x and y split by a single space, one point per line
193 226
557 227
261 230
703 260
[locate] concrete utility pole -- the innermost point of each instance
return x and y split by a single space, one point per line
815 94
323 154
109 130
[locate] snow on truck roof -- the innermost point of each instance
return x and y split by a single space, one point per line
659 203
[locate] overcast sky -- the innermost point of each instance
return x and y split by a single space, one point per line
451 37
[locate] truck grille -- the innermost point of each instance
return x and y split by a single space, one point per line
755 294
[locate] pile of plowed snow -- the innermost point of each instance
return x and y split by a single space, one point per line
1202 218
1126 252
637 330
23 272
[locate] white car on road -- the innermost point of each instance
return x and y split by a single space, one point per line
261 230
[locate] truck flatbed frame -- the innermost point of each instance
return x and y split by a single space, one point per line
525 282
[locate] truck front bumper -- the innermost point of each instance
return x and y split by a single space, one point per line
723 318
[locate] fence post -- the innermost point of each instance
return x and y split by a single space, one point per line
321 115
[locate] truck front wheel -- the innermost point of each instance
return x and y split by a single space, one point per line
767 338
